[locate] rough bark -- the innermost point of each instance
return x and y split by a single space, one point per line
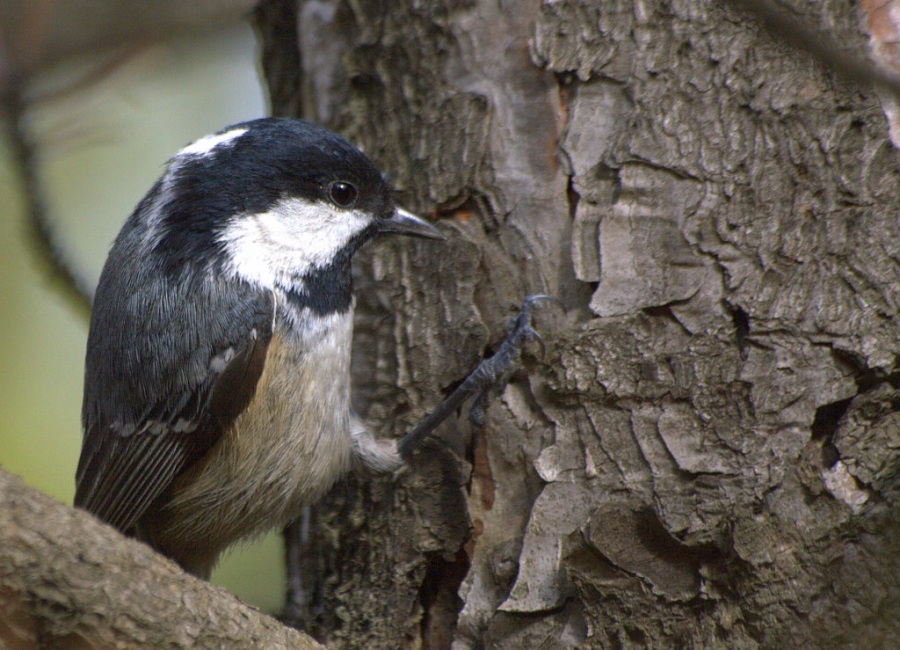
68 581
707 455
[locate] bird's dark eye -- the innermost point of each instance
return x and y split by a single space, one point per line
342 193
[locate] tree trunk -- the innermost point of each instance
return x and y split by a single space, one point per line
707 453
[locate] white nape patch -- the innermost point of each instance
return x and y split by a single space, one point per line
207 143
274 248
153 213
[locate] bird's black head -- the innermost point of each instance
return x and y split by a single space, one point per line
269 200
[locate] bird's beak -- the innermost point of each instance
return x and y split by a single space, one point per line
406 223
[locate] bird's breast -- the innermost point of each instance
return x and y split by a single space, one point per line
290 444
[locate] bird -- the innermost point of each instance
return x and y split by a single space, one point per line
217 371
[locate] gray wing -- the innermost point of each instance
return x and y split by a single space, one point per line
163 380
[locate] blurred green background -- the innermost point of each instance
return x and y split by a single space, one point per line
101 148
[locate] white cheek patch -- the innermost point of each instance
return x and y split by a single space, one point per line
288 241
207 143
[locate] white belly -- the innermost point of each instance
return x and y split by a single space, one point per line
284 451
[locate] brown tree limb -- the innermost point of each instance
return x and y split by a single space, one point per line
66 580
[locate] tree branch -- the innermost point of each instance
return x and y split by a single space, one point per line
66 580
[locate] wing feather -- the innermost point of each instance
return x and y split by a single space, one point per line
140 432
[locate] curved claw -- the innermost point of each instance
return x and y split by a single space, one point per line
532 300
532 335
520 327
528 333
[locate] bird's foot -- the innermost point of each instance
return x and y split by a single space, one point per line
489 378
492 375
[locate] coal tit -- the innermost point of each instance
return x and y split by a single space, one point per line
217 387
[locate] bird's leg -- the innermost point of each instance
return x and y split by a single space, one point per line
490 377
